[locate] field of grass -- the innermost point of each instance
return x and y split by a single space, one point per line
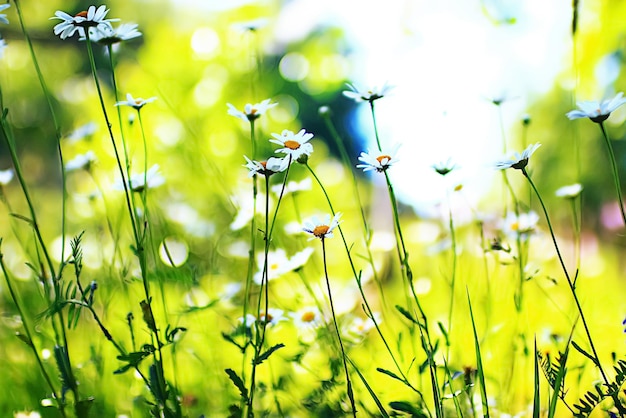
224 247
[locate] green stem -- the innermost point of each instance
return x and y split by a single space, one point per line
29 335
367 233
375 125
343 353
567 276
57 128
357 276
618 187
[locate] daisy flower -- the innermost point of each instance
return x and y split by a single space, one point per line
366 95
81 161
570 192
597 111
6 176
86 19
266 168
82 132
251 25
307 317
359 327
109 36
379 160
3 17
293 186
523 224
444 168
251 111
137 103
322 229
278 263
519 162
138 182
273 316
295 145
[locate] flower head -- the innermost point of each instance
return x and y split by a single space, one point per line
322 229
519 162
597 111
522 224
295 145
82 132
293 186
6 176
137 103
138 182
307 317
278 263
106 35
273 316
366 95
267 168
251 111
3 17
444 168
81 161
570 192
90 18
379 161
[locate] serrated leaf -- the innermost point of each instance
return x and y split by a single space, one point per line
232 375
268 353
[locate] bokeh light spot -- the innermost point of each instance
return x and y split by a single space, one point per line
205 42
294 66
173 252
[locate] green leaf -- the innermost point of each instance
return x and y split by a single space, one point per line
268 353
406 314
238 383
403 406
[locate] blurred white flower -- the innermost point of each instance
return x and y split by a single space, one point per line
6 176
307 317
278 263
24 414
251 25
444 168
379 160
273 165
273 316
106 35
81 161
570 192
359 327
293 186
82 132
152 178
295 145
366 95
3 17
251 111
322 229
86 19
137 103
523 224
3 46
596 111
518 162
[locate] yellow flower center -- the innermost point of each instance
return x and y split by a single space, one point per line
321 230
515 226
308 316
252 111
264 164
82 14
274 266
292 144
382 157
138 101
267 317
